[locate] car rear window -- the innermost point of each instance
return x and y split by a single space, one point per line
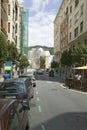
12 87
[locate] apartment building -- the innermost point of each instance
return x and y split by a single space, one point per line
70 26
57 23
14 20
3 16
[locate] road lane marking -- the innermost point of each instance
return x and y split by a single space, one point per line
39 109
43 127
38 99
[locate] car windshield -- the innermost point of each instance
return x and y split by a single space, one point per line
12 87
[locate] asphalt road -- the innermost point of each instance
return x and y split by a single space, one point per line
57 108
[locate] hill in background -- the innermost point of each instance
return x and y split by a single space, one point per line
45 48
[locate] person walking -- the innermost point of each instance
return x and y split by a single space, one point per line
6 75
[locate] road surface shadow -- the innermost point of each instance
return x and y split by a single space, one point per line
66 121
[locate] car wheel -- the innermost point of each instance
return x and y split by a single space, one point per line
27 127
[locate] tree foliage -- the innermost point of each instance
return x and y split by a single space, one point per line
42 62
12 54
23 62
50 49
66 58
79 55
54 64
3 49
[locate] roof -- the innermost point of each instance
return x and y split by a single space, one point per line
80 68
15 80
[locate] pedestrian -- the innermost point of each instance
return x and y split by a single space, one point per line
6 75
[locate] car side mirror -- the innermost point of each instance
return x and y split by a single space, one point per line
25 106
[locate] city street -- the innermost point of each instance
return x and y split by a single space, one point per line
57 108
43 51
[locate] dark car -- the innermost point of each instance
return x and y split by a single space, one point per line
30 77
13 115
20 89
51 73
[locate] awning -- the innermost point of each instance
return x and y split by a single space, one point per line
80 68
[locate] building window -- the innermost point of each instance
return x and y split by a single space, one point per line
76 17
70 9
8 27
70 36
16 40
16 28
13 32
85 41
81 26
8 9
70 23
76 32
82 8
66 10
76 3
1 0
13 14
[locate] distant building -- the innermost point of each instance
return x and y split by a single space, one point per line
24 31
48 62
34 56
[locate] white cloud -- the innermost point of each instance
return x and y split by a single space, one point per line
20 0
38 4
41 17
41 29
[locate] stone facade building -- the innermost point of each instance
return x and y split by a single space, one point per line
70 26
3 16
14 22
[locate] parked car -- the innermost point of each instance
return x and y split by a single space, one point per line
40 71
20 89
30 77
13 115
51 73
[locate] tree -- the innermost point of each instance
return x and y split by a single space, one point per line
12 54
54 64
23 61
79 55
66 61
3 49
42 62
66 58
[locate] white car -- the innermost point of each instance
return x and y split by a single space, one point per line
40 71
31 77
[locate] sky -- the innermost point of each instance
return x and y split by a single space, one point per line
41 16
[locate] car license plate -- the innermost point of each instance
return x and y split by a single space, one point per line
10 96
